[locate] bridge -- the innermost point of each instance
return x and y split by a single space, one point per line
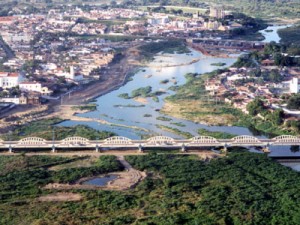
226 44
123 143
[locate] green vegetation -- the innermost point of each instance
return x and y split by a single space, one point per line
242 188
147 115
163 118
165 81
174 130
88 107
130 106
155 99
169 46
103 165
22 178
218 64
124 95
179 124
294 102
290 35
141 92
191 102
255 107
215 134
144 92
281 54
44 129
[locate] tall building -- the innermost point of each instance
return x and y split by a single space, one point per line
295 85
217 12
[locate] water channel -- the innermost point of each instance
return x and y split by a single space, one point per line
100 181
116 110
271 34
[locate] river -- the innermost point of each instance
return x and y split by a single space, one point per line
143 117
271 34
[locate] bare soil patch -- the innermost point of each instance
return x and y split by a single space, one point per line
60 197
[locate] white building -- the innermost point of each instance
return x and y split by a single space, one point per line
295 85
11 100
161 20
9 80
34 86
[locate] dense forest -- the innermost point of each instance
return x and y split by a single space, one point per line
242 188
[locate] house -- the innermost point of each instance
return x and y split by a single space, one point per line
33 86
267 62
9 80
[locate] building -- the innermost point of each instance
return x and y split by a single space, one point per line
294 85
217 12
9 80
212 25
33 86
7 20
161 20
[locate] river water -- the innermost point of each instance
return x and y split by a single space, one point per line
115 109
270 33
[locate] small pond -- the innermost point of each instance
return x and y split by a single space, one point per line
100 181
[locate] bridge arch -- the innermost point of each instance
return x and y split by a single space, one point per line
118 140
204 140
286 139
75 141
245 139
32 141
158 140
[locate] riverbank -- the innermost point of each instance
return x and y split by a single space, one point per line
192 102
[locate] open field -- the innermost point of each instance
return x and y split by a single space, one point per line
198 111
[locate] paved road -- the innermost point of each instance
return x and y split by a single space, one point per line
9 53
116 153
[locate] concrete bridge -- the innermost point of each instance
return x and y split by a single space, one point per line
227 44
117 142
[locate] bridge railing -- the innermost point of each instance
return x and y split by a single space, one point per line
157 141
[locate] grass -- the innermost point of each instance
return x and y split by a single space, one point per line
290 35
129 106
218 64
45 128
163 118
88 107
174 130
200 112
178 124
215 134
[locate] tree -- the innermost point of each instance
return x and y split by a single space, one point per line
294 102
276 117
255 107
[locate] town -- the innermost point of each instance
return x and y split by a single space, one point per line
45 57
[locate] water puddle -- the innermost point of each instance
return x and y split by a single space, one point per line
100 181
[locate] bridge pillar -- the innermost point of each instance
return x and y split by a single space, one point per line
225 149
97 148
53 149
183 148
141 148
10 149
266 149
